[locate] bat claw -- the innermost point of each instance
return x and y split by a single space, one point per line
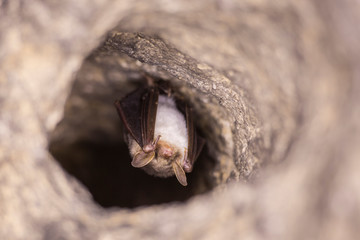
156 140
185 162
151 147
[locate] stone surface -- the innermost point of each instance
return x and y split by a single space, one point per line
274 86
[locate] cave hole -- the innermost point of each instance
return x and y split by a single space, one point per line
88 144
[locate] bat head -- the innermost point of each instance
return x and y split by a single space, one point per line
166 160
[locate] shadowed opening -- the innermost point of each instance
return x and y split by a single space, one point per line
88 143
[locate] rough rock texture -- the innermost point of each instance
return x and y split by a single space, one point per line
274 86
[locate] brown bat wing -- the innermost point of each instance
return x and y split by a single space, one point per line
137 111
129 110
149 103
195 142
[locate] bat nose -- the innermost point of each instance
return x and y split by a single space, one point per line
166 151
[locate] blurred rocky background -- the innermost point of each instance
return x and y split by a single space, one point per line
274 86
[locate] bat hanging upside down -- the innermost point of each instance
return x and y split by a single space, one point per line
160 133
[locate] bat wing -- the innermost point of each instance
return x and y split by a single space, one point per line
129 110
195 142
137 110
149 104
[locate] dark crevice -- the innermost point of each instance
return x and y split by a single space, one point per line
106 171
88 144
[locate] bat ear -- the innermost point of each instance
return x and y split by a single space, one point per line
180 174
141 159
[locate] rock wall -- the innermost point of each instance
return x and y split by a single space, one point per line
274 88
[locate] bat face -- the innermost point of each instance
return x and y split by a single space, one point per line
159 164
162 140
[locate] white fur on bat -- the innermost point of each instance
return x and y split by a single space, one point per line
170 125
162 139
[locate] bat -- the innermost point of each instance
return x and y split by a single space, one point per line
160 132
